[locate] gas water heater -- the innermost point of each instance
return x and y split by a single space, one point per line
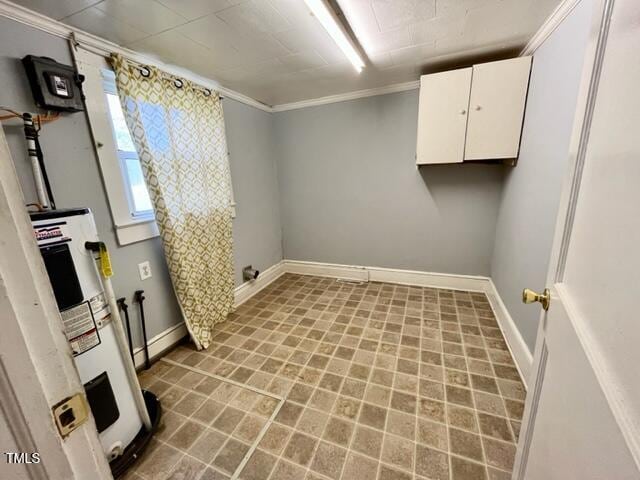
65 238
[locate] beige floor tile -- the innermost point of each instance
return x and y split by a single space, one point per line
188 468
287 471
368 441
398 451
338 431
259 466
388 473
230 456
328 460
300 448
432 434
465 444
275 438
496 427
186 435
381 381
207 445
431 463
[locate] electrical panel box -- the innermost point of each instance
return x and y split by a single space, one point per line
55 86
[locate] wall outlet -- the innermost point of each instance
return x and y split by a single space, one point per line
145 270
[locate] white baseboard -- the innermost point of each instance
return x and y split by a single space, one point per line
389 275
517 346
161 342
248 289
172 335
519 350
515 342
346 272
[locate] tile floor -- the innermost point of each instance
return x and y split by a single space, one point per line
314 379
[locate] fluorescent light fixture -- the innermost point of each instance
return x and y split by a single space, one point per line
331 24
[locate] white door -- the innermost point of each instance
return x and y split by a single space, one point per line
582 416
36 367
442 116
496 109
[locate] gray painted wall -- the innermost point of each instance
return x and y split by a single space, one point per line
257 236
338 183
350 191
529 206
76 181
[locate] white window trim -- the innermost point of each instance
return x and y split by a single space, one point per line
128 229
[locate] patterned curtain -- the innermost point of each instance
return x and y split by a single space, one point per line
178 131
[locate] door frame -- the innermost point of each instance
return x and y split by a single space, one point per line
36 366
586 102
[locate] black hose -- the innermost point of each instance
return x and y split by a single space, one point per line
125 308
139 297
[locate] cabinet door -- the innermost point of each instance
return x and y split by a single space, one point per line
442 116
496 109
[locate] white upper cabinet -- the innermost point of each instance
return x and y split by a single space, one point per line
496 109
472 113
441 132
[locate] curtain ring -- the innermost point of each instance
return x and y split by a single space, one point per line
178 83
207 92
144 71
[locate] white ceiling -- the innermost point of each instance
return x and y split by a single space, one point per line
276 52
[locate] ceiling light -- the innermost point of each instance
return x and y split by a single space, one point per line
331 24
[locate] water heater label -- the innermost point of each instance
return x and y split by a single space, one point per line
80 328
48 233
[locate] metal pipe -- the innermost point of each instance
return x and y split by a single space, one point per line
139 297
45 177
125 308
31 134
116 321
249 273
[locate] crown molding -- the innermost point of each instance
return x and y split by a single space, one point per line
101 46
343 97
552 22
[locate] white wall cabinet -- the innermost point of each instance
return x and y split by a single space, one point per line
472 113
441 132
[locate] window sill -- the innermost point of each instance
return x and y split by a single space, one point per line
136 232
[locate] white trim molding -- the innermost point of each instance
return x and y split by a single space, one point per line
355 273
105 47
174 334
160 343
248 289
517 346
389 275
343 97
552 22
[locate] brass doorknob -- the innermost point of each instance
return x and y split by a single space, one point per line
529 296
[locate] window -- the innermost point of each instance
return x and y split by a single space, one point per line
137 194
131 208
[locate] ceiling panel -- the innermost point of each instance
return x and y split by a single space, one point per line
399 13
254 16
59 8
148 16
198 8
96 21
277 52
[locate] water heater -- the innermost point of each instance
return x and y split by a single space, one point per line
62 237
